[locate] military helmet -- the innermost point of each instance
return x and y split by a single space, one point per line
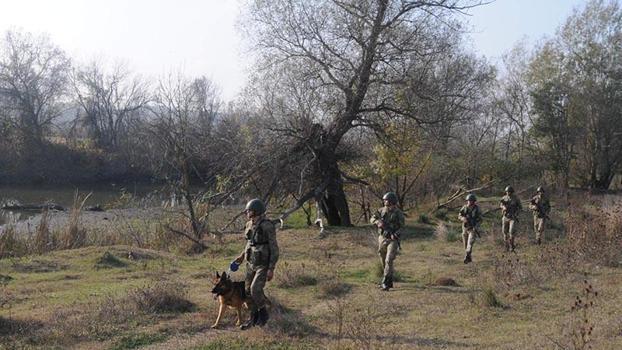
540 189
509 189
391 197
256 205
471 197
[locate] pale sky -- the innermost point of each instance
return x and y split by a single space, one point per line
199 37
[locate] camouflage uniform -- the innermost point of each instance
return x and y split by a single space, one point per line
470 227
540 208
388 245
261 254
511 207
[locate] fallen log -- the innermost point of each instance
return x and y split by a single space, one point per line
38 207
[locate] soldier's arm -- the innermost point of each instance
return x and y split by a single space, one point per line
240 257
270 230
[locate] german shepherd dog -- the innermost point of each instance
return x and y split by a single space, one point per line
231 294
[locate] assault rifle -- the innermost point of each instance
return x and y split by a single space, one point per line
389 234
472 224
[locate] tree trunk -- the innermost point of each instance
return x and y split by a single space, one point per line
334 203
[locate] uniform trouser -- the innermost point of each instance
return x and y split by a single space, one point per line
468 238
508 227
387 249
255 282
538 226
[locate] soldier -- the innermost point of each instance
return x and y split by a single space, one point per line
510 207
540 207
261 254
389 220
471 216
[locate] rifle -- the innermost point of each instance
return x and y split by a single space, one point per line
386 233
472 224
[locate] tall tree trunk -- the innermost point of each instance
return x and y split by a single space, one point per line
334 203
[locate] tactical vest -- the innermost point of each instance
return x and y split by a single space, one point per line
391 221
258 254
511 206
471 214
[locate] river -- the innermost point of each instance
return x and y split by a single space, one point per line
100 194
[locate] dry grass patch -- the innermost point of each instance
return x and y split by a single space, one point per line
295 276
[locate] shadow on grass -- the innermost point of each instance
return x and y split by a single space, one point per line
418 231
23 328
288 321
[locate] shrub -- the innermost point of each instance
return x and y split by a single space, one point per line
287 321
441 214
296 276
10 244
442 232
74 235
162 297
489 298
423 218
43 241
108 260
333 288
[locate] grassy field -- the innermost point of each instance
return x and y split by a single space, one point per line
324 295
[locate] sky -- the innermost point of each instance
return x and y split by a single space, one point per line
199 37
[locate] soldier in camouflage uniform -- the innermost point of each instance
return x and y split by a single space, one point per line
510 207
261 254
389 220
471 216
540 206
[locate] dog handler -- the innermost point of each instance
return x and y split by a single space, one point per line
261 253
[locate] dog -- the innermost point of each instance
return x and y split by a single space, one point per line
231 294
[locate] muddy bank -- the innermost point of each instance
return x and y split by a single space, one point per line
91 220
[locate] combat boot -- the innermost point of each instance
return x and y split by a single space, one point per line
387 283
512 246
507 246
467 258
539 241
262 317
252 321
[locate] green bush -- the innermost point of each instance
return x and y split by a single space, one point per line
423 218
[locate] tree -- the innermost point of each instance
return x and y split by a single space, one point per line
33 83
576 82
591 40
552 103
108 101
348 58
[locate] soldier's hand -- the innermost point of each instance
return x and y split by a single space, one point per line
380 224
269 275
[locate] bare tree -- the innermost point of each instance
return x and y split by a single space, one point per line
108 101
33 83
351 57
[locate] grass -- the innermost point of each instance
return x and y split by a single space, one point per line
329 300
135 341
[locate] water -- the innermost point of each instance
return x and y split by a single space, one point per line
101 194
